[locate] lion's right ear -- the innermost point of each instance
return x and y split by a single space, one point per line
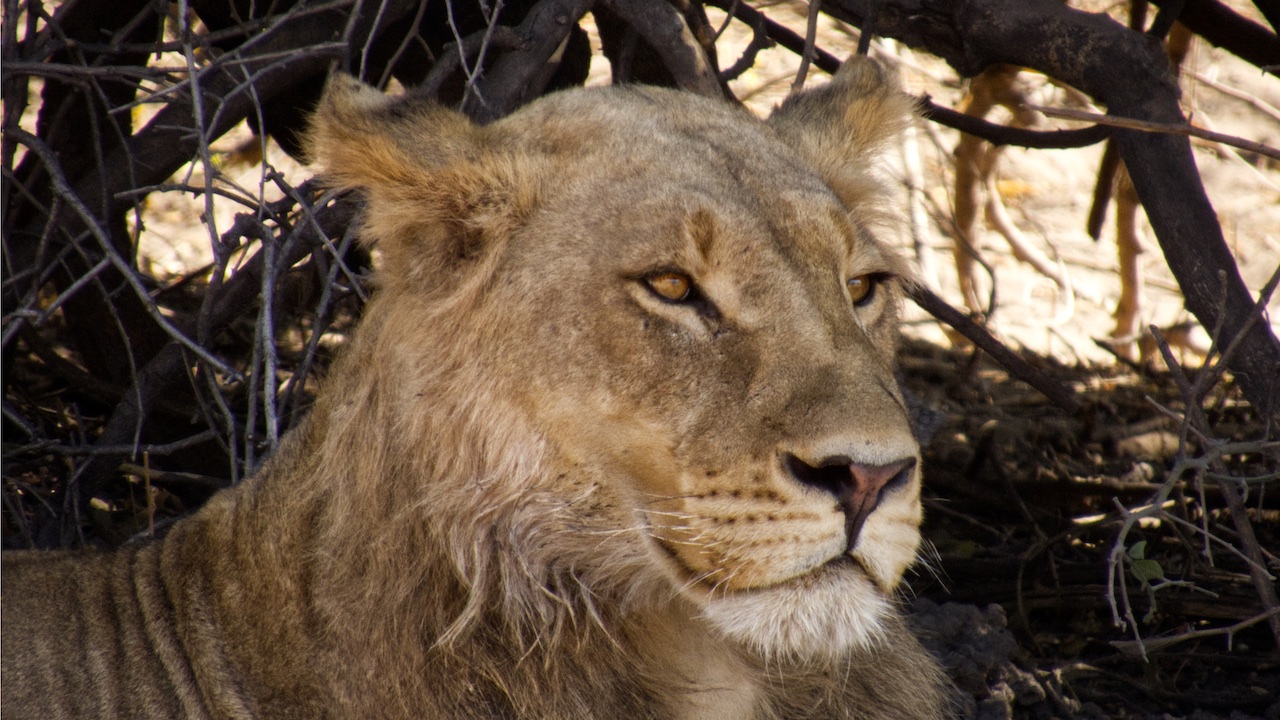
441 189
363 138
841 127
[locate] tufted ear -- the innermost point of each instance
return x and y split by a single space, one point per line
441 190
841 127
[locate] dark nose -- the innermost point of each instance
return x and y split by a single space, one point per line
857 487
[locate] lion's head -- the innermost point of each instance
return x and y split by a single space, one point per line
647 340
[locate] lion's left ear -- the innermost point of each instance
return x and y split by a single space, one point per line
841 127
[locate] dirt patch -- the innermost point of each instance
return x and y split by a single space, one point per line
1023 508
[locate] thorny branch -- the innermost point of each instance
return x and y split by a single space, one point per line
1209 464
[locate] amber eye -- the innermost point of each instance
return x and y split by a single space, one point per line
862 288
670 286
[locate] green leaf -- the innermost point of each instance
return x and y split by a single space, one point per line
1147 570
1138 550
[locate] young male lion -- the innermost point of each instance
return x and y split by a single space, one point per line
619 437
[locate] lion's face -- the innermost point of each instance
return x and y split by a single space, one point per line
697 324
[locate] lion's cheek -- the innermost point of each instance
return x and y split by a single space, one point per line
633 453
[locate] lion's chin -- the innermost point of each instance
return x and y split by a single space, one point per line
825 614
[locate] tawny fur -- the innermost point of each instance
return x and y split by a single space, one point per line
532 488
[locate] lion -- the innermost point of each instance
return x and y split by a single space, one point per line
619 436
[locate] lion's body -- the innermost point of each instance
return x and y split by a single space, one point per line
535 487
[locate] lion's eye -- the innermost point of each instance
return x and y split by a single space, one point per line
670 286
862 288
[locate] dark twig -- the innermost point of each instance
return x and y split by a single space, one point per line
869 28
119 450
810 42
151 475
662 26
519 75
760 40
1103 189
783 35
997 134
728 19
501 38
1060 395
1165 19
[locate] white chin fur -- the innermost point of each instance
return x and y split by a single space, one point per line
824 615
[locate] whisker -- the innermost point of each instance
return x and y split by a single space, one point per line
662 498
672 513
696 579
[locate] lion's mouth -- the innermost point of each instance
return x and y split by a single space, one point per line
848 562
715 582
842 560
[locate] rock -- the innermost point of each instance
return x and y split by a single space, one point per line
972 644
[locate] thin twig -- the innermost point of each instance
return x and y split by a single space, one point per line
810 42
46 155
1195 421
368 41
502 37
491 24
1211 377
1157 127
118 450
1061 395
759 41
409 36
1253 100
1132 647
150 475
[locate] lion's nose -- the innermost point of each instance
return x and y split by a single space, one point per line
858 487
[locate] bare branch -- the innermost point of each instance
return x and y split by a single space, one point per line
663 27
519 75
810 42
1170 128
1019 368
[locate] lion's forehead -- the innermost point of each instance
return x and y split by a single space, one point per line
631 127
635 163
